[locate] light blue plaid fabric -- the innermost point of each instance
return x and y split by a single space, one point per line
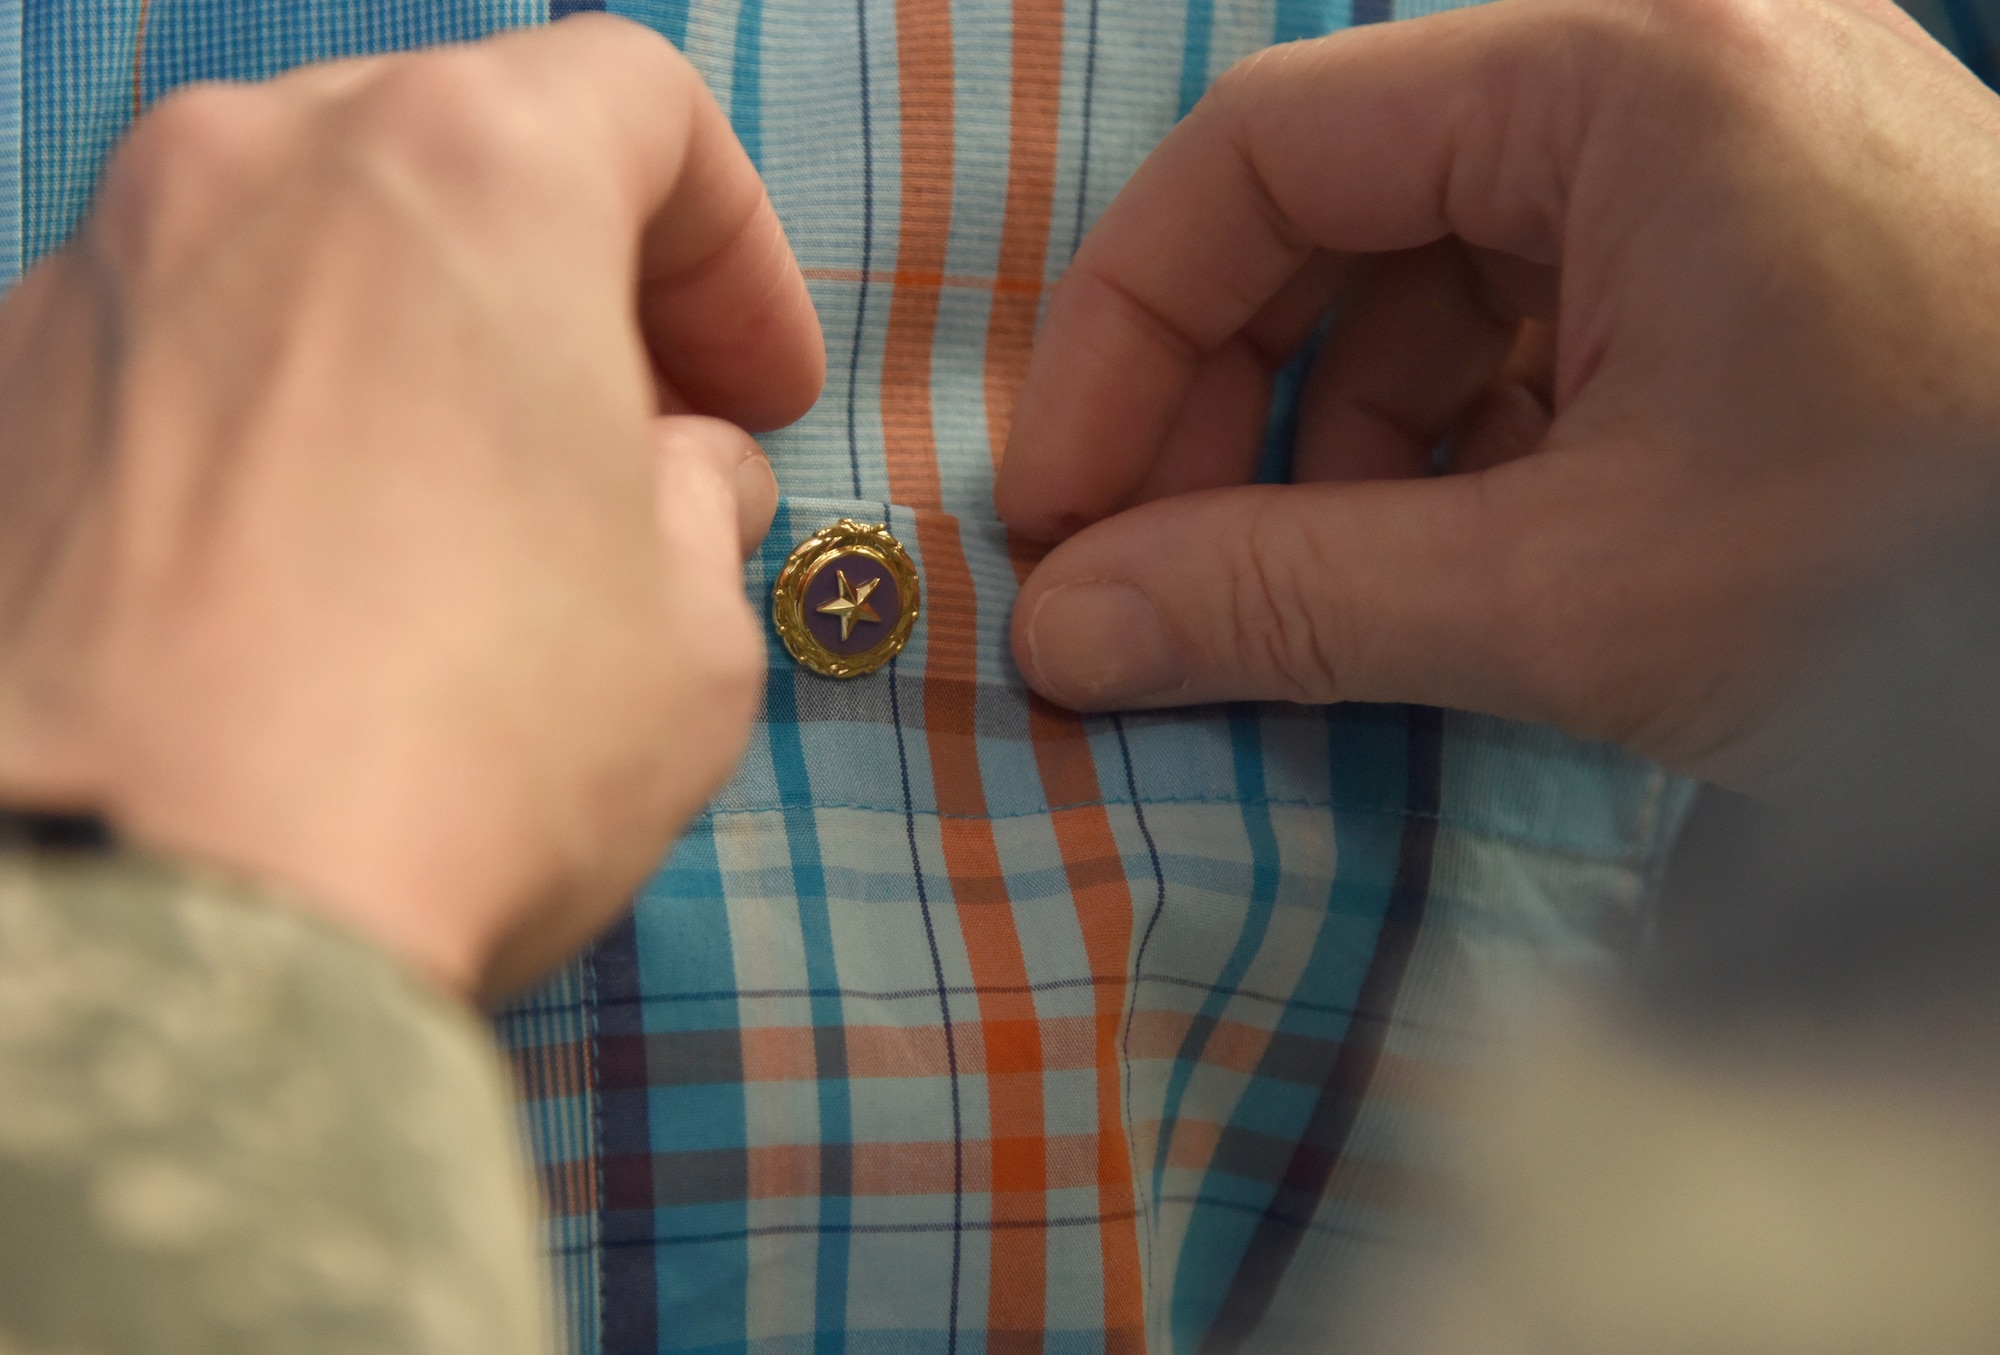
10 140
959 1023
83 69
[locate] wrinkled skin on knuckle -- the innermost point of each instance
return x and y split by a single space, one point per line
1285 618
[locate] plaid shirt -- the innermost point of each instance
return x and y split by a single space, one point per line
960 1022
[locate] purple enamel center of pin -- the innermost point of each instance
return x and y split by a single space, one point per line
883 600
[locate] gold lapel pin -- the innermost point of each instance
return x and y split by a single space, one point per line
846 600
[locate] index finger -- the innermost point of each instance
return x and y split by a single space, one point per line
1376 139
724 308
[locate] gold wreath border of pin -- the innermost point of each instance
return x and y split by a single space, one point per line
788 612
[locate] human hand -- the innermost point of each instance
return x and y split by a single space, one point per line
363 531
1703 293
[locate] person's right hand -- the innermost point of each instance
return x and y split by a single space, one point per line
361 530
1704 295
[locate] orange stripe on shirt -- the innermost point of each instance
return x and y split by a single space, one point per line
1104 915
1031 186
921 280
1103 899
1016 1283
924 69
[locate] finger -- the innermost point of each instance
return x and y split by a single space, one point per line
737 487
698 468
1512 416
1394 590
1378 139
1218 435
1216 438
1421 339
1507 421
723 305
698 487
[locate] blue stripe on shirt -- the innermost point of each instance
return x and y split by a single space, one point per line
746 81
10 142
1197 35
836 1168
683 943
668 17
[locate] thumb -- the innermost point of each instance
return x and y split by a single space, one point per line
1376 591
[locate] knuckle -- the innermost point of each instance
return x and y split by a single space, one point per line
1227 108
1225 95
454 120
1237 88
628 39
1288 626
198 129
1714 44
1239 110
1711 21
196 150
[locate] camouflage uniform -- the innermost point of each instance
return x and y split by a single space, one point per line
225 1126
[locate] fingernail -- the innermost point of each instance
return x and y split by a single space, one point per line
1097 645
756 500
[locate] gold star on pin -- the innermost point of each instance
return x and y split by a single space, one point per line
852 604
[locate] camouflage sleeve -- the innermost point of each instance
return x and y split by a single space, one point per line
226 1127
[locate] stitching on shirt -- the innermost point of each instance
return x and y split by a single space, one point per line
1636 844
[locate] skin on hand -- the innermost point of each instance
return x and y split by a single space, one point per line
1699 295
378 442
